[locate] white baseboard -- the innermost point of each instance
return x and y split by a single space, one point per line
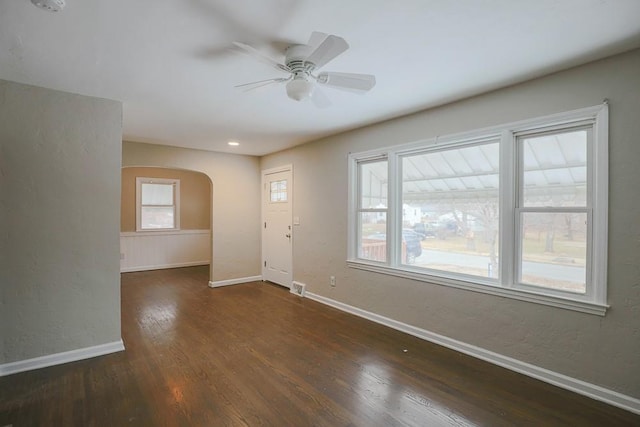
572 384
238 281
163 266
60 358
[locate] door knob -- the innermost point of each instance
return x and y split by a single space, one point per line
288 235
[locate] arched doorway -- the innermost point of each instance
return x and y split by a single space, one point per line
185 242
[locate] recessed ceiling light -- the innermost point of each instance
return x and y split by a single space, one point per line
233 143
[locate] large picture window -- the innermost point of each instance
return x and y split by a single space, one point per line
455 191
157 204
519 210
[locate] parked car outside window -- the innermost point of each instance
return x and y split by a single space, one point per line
426 231
414 248
411 240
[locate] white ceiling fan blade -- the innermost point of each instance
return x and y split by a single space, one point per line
255 53
349 81
316 38
331 47
319 98
260 83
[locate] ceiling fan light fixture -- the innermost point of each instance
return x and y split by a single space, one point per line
49 5
299 89
301 63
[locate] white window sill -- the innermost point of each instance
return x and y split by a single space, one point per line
538 298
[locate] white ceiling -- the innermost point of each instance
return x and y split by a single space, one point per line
169 61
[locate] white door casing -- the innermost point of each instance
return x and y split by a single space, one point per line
277 230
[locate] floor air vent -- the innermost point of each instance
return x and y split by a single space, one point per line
298 288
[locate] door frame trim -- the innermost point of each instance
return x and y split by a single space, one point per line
264 173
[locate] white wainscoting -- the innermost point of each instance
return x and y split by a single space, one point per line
153 250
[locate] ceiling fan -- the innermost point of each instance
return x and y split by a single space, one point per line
302 62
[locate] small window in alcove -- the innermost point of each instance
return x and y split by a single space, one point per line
157 204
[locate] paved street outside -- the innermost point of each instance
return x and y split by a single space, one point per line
549 271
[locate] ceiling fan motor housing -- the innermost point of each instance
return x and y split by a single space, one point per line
295 58
300 87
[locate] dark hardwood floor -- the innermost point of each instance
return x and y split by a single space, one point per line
254 354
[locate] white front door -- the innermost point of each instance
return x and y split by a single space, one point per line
277 233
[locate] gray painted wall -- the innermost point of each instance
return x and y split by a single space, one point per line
60 159
236 202
604 351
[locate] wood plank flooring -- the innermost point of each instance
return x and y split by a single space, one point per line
254 355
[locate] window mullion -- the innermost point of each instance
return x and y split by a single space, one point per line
394 215
508 196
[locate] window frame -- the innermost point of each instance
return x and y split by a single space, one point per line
521 209
592 302
176 203
361 210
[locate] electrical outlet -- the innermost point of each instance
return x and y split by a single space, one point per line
332 280
121 255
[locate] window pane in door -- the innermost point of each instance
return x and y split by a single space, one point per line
278 191
554 250
555 169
